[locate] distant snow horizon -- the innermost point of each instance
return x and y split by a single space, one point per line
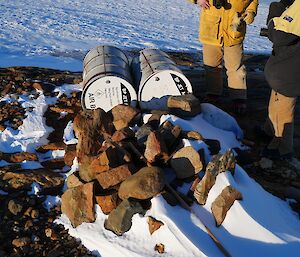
36 34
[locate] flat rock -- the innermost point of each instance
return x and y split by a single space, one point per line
77 203
184 105
54 164
186 162
120 219
115 176
146 183
48 180
223 202
51 147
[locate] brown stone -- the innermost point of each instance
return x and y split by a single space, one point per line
156 149
223 202
22 179
108 202
73 181
54 164
77 203
20 157
70 155
146 183
112 157
186 162
154 224
184 105
91 128
192 135
126 113
60 109
160 248
123 134
21 242
15 207
86 172
120 124
51 147
115 176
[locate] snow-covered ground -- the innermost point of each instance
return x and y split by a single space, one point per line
260 225
32 32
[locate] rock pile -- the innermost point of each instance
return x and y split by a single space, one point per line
122 163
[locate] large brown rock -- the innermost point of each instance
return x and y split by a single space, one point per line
115 176
108 202
223 202
120 219
186 162
112 157
125 113
48 180
184 105
91 128
77 203
156 149
146 183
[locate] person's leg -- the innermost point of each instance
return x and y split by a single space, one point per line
212 59
281 115
236 71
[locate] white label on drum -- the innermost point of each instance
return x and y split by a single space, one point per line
106 93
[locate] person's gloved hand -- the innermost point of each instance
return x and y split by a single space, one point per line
203 4
249 17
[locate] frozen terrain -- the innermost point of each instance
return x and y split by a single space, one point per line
30 33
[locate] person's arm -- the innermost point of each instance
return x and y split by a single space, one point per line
280 38
250 12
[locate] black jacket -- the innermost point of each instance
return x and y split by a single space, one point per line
282 70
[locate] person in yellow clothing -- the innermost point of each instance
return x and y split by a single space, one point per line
222 32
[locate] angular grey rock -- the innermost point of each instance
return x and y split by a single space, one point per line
78 204
146 183
119 220
186 162
223 202
219 163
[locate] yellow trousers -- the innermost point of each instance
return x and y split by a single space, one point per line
280 124
235 70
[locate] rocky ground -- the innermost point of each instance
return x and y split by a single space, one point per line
27 228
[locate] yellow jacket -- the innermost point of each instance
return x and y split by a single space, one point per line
215 24
289 21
